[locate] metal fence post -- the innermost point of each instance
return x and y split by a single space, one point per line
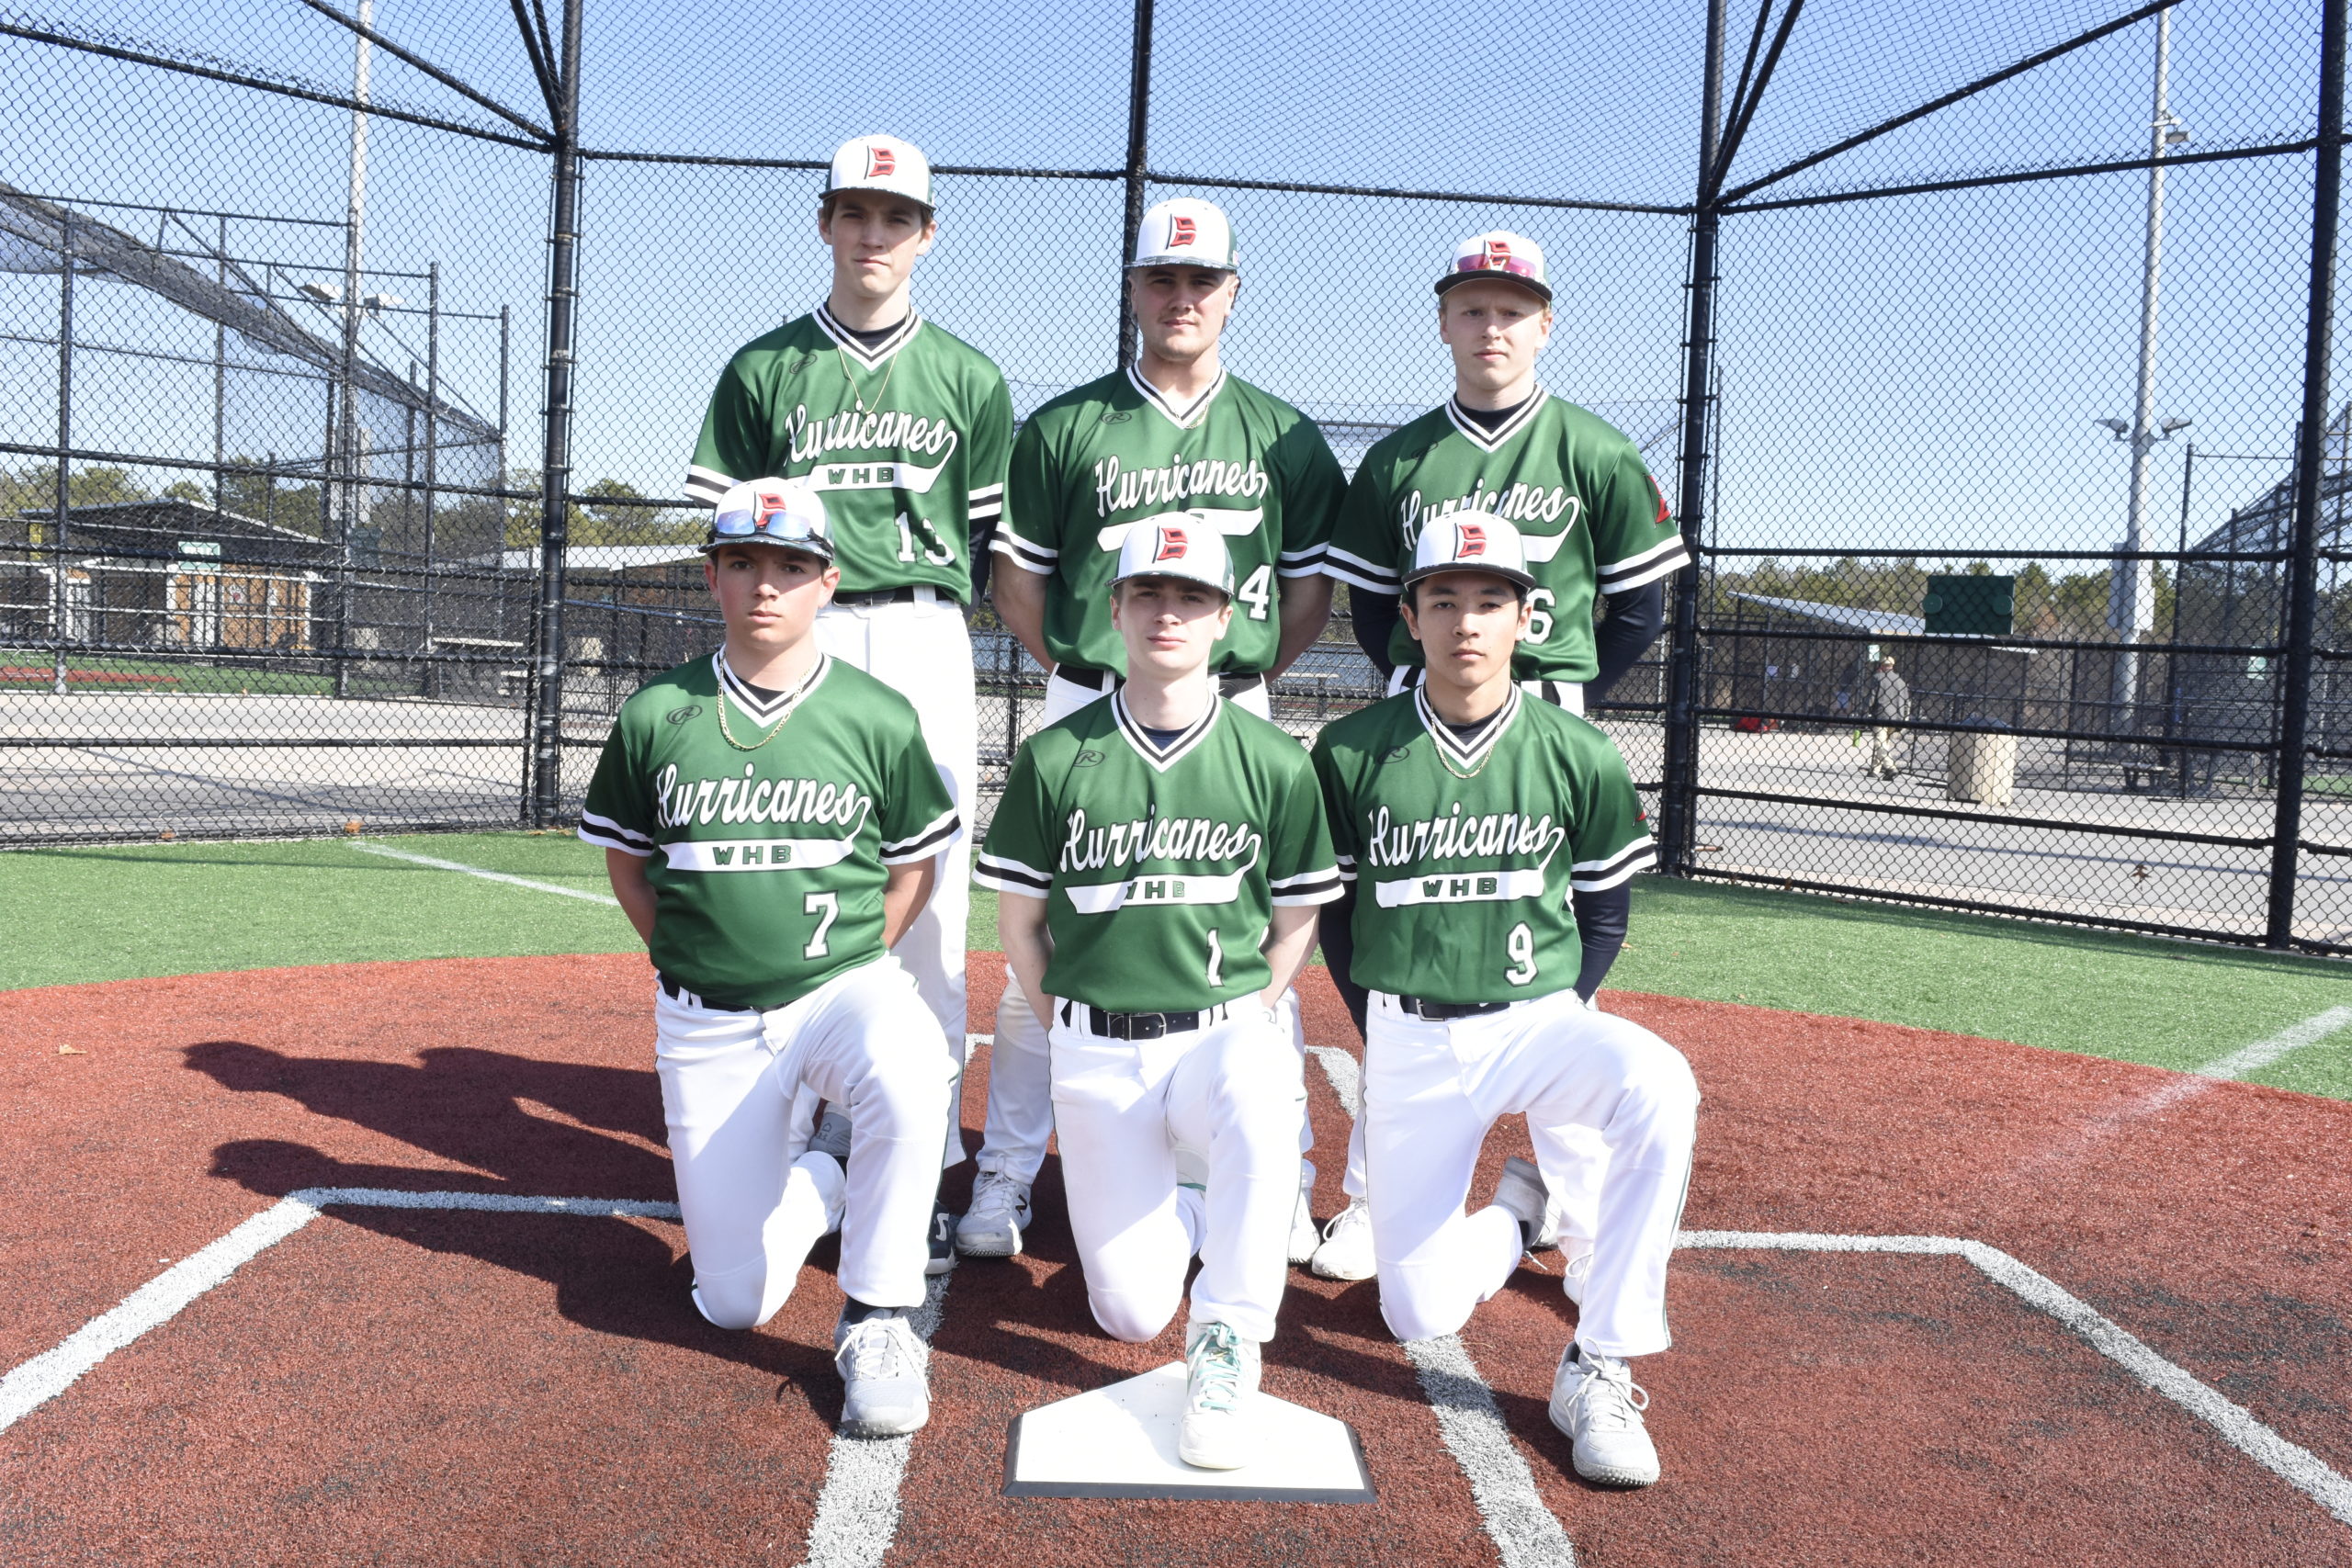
1678 797
2296 663
432 457
59 599
1139 126
547 719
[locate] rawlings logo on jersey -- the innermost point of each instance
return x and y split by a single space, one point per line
700 802
1523 504
1170 487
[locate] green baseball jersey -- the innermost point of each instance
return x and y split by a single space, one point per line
1463 852
1117 453
767 856
1593 518
908 440
1162 865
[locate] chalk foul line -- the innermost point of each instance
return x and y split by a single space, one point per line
370 847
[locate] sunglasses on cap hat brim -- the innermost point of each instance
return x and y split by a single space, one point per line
744 526
1508 269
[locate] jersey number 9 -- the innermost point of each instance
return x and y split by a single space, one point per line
1520 945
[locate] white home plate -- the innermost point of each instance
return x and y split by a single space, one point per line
1120 1441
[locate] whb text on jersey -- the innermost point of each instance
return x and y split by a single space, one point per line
1121 489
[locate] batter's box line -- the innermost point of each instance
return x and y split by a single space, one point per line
2237 1425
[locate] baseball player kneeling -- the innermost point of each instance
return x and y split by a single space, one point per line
1162 851
1487 838
772 819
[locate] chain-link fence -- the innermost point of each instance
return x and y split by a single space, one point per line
353 357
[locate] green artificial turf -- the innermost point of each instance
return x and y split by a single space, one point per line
110 912
113 912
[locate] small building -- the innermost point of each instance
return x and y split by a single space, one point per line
166 574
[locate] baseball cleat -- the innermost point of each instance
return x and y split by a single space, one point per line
883 1363
832 1136
1595 1402
991 1227
1346 1250
943 1239
1547 1232
1221 1385
1576 1267
1305 1234
1520 1192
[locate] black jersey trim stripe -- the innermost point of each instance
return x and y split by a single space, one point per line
926 843
1495 441
1010 876
1475 749
1286 884
1162 759
1328 888
1311 553
988 492
849 344
1641 846
765 710
597 836
706 484
1184 418
620 831
1353 569
1003 544
1039 559
1636 857
1668 555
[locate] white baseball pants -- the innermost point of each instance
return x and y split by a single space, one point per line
735 1087
1021 1106
922 651
1232 1089
1431 1091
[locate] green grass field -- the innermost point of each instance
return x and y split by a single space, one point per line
114 912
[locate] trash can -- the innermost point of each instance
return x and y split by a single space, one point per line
1981 765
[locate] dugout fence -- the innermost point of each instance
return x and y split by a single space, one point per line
354 352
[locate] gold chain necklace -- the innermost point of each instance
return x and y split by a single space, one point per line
791 706
841 355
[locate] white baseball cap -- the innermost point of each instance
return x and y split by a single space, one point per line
1176 545
1501 254
788 514
881 162
1470 541
1187 232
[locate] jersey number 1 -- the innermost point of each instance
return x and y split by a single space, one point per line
1217 961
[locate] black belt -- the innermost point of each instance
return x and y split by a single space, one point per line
1136 1025
903 594
677 993
1104 681
1446 1012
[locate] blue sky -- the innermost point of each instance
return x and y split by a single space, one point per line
1918 371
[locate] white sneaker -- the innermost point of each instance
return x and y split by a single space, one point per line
1220 1390
991 1227
1576 1267
883 1363
1346 1249
1305 1237
1522 1192
1595 1402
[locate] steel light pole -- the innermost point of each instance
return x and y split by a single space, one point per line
2132 601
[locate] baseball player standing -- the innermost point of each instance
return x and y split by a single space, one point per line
1594 522
1161 853
1487 838
772 819
1172 437
905 430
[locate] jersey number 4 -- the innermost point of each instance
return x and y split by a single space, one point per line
1258 591
827 907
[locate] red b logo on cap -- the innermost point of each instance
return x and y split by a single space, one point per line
1498 256
1172 545
1180 231
1474 540
770 503
880 161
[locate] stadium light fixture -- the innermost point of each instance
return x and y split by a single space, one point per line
2170 425
2117 426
